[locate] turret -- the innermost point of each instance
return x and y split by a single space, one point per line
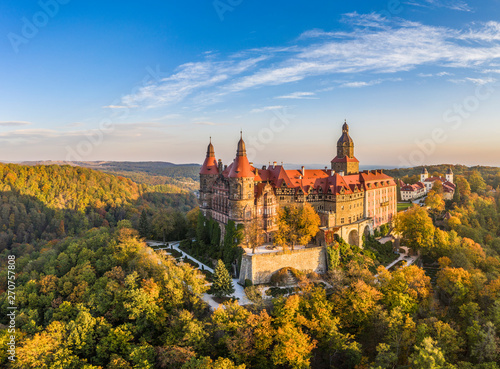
345 161
241 185
449 175
208 175
424 175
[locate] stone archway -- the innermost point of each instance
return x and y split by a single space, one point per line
353 238
367 231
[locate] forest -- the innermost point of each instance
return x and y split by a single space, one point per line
91 294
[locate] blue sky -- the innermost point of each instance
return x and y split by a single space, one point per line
418 81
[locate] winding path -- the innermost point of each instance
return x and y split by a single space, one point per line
239 291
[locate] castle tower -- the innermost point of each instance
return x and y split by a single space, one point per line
424 175
208 175
449 175
241 186
345 161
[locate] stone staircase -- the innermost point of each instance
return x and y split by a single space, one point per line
290 279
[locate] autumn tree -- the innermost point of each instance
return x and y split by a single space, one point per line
297 224
428 356
416 227
477 183
254 233
162 224
435 201
463 187
437 187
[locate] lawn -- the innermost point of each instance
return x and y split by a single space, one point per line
402 206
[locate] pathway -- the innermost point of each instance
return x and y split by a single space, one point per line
404 256
239 291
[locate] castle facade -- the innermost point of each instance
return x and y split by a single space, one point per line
350 203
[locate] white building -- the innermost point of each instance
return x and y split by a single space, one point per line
422 188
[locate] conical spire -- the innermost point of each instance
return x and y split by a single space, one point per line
210 150
241 167
345 127
242 151
210 166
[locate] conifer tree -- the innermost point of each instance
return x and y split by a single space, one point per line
222 283
144 225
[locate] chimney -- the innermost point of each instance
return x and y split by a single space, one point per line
263 167
341 173
326 168
251 163
274 164
303 170
332 173
225 167
256 172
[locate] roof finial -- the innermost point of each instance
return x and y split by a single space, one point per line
210 139
241 133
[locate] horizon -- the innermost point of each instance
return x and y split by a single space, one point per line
256 165
416 82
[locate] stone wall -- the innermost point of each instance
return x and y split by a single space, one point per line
260 267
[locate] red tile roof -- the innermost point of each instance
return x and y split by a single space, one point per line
240 168
345 159
209 166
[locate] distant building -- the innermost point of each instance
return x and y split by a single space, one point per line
349 203
412 192
422 188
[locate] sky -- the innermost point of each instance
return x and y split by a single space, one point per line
418 82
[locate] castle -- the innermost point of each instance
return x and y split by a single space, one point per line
348 202
422 188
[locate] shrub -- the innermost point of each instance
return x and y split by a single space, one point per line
277 291
248 283
279 278
313 276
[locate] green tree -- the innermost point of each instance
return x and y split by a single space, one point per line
428 356
222 285
144 228
477 183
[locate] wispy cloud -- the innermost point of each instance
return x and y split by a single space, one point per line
440 74
449 4
375 45
119 106
361 83
357 84
189 78
298 95
476 81
14 123
266 108
373 20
